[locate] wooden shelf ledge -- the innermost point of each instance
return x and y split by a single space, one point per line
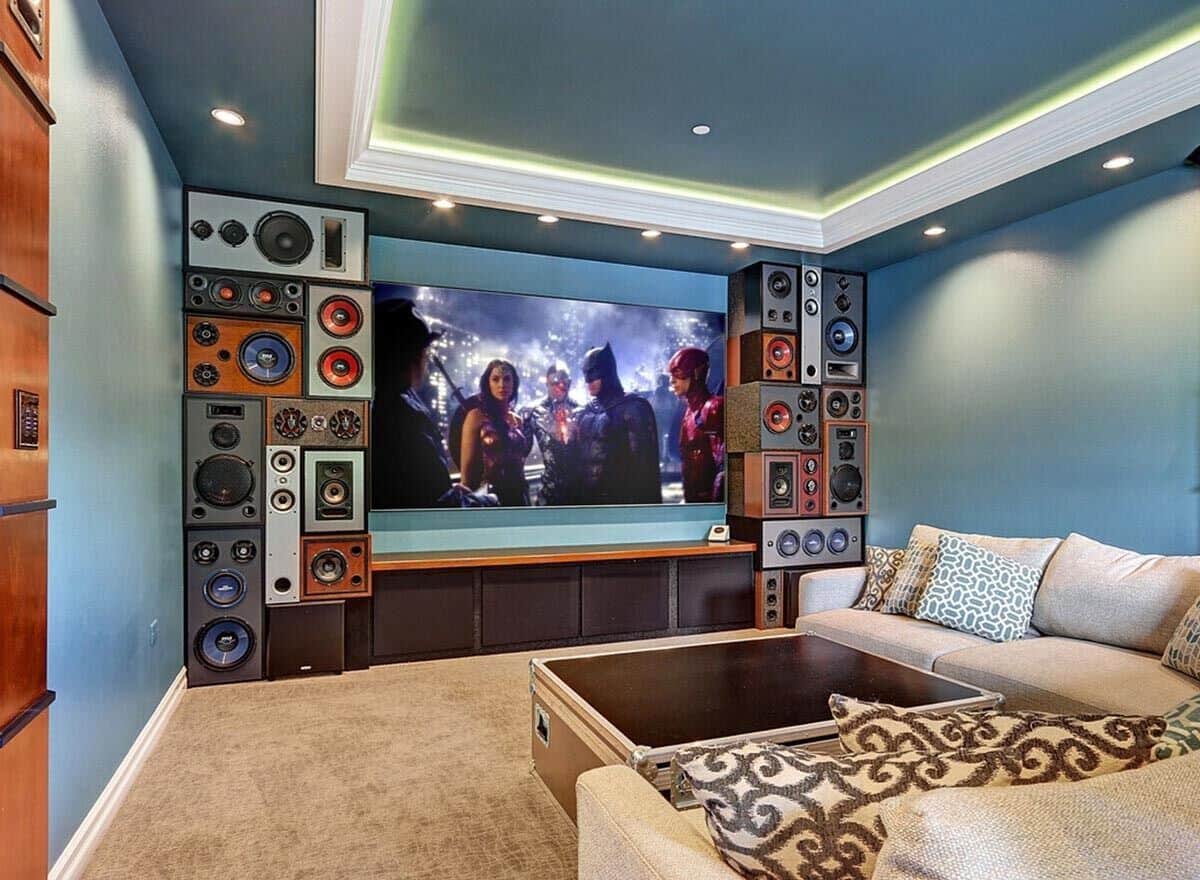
553 555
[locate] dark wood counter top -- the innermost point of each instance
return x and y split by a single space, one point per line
552 555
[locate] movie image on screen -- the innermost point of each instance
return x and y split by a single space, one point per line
489 400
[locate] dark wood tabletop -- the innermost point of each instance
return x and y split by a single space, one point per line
698 692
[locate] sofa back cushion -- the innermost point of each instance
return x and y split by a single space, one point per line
1116 597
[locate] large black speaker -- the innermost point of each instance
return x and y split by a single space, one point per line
763 297
224 605
222 468
306 639
770 415
846 454
843 309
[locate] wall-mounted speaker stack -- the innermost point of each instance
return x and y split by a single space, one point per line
796 423
278 380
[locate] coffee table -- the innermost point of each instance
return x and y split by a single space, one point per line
639 707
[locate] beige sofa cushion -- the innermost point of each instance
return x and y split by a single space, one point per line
1053 674
1105 594
915 642
1135 825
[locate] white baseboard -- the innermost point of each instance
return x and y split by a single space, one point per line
87 836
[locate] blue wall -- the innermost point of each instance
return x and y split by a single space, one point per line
454 266
115 557
1043 378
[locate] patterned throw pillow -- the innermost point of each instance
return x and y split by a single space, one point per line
1077 740
882 565
784 813
1183 730
976 591
1183 651
911 578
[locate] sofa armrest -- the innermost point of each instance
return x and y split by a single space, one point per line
828 589
628 831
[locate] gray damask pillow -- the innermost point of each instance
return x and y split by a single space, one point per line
882 565
911 578
1183 651
976 591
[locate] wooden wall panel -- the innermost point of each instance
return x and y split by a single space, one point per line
22 612
35 64
24 802
24 187
24 364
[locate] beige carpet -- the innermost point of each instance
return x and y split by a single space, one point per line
416 770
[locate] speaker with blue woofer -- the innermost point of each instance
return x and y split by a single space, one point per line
843 307
224 605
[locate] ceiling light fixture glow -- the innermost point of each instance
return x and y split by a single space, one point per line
1118 162
547 218
227 116
650 233
701 129
444 204
739 245
935 231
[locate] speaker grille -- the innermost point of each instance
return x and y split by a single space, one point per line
224 480
283 238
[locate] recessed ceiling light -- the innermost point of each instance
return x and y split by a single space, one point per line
547 218
740 245
444 204
935 231
1118 162
701 129
650 233
229 117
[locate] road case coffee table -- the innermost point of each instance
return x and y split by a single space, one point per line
640 707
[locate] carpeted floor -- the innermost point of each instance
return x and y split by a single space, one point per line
408 771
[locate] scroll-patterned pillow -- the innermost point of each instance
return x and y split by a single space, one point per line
882 565
1183 651
911 578
1077 741
785 813
1183 730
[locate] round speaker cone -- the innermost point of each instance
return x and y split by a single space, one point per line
779 284
811 277
779 353
232 233
206 333
206 375
224 644
264 296
243 551
340 316
781 487
806 400
224 589
837 404
838 541
807 435
283 500
345 424
777 417
290 423
224 435
205 553
225 292
282 462
329 566
788 543
810 465
814 542
334 492
841 336
810 487
283 238
224 480
266 358
340 368
845 482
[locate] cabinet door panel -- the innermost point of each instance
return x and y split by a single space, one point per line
422 612
625 597
22 612
530 604
716 591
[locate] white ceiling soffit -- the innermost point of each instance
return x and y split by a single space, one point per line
350 46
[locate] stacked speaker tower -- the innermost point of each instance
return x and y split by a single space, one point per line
796 424
278 381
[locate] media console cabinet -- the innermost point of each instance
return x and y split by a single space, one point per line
457 603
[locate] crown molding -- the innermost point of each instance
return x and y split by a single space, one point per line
351 45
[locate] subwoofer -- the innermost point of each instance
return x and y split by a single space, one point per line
848 404
224 605
799 543
282 580
846 454
810 325
222 461
763 297
241 356
306 639
251 235
763 484
324 423
769 416
334 491
843 306
766 356
218 293
339 342
336 567
768 598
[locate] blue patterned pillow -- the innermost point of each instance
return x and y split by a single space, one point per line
1183 730
976 591
1183 651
